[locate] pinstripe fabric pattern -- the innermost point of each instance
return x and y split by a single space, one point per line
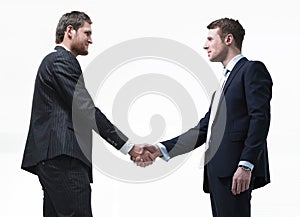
67 190
51 131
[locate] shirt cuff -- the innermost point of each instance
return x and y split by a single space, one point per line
164 151
246 164
126 147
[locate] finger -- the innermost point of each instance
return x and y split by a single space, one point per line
240 186
140 163
155 151
146 163
233 187
146 156
138 159
152 157
139 149
149 156
143 164
151 148
245 186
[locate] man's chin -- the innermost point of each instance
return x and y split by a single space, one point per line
84 53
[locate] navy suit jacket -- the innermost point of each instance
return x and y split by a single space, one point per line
240 128
64 115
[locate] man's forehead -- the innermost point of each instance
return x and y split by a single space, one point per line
85 25
213 32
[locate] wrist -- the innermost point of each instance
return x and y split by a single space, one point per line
127 147
245 168
164 153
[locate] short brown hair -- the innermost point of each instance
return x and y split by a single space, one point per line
229 26
75 19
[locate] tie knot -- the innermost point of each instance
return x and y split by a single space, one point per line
226 71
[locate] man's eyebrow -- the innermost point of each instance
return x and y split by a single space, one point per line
88 31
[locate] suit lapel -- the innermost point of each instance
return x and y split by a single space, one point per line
234 72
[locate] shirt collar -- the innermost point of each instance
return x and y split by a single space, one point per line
232 63
61 45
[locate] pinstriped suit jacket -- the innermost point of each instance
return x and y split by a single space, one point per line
64 115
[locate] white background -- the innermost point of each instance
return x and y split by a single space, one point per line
272 36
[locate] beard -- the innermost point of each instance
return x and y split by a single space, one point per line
79 49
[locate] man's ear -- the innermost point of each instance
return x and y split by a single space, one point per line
229 39
70 31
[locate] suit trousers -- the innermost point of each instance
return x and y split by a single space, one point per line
223 202
66 185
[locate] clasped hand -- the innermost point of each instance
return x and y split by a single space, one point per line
144 154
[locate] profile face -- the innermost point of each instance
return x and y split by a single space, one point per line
82 39
215 46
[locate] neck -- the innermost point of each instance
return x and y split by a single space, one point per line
230 55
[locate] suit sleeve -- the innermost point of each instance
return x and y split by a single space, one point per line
190 140
258 93
69 84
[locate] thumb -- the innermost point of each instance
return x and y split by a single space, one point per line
151 148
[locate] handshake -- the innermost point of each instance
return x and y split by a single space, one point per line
144 154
